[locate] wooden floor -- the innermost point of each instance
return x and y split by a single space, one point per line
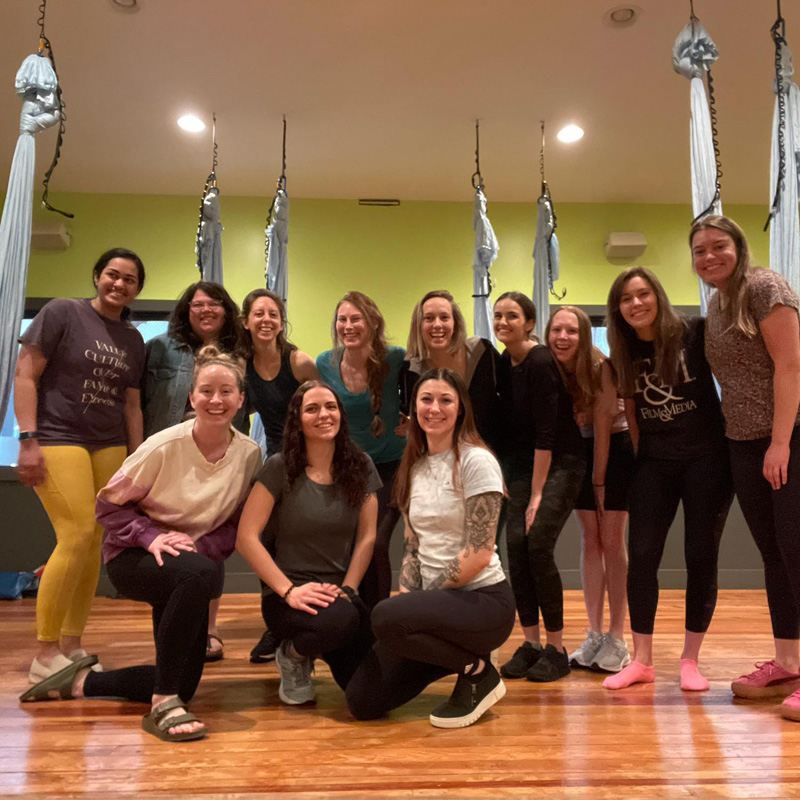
570 739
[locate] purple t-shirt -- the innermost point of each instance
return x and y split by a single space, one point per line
91 361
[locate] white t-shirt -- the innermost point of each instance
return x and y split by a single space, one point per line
437 509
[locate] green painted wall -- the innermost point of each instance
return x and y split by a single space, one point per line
393 254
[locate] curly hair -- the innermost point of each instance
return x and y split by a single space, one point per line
377 363
284 345
180 328
464 432
350 467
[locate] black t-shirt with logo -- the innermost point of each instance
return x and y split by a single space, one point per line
681 421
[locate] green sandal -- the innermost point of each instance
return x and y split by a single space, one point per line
60 682
158 724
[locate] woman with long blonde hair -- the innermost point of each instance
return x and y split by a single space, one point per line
602 505
364 371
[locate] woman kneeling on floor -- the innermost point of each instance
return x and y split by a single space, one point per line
318 494
170 515
455 605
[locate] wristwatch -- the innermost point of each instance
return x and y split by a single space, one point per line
25 435
349 591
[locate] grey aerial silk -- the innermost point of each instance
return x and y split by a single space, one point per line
784 232
693 55
485 254
209 241
546 263
278 247
36 85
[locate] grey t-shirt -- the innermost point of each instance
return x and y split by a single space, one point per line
91 361
313 526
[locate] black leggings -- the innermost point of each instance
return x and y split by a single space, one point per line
376 585
659 484
423 636
531 557
179 593
340 634
773 518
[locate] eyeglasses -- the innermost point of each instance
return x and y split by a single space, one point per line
212 305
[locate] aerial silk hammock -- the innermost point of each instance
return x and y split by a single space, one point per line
276 256
784 220
485 254
276 249
36 83
693 55
546 253
209 228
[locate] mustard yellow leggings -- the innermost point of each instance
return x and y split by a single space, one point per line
73 477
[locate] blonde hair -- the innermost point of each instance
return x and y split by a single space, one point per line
736 311
211 356
416 343
585 383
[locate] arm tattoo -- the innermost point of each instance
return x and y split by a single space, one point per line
483 513
410 575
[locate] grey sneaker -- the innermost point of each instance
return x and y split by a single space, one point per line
296 687
613 656
585 654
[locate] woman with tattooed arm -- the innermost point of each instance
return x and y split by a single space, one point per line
455 605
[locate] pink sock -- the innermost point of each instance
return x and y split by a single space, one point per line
635 672
691 679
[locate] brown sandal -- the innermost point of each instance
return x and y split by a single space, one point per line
60 682
158 723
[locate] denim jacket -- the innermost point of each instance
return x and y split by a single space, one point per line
167 383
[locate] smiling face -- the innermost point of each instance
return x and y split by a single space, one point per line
437 408
510 325
639 306
320 417
714 256
206 316
264 320
564 337
437 324
118 283
216 397
352 327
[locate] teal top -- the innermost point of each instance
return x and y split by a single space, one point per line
388 447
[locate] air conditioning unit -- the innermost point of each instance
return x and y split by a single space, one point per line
50 236
625 245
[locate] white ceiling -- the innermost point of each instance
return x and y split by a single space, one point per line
381 95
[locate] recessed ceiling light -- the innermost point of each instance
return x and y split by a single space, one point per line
622 16
571 133
191 123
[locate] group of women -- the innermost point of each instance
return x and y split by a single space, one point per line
449 434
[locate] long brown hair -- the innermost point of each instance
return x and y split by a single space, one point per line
735 310
669 328
585 383
464 432
377 363
350 466
284 345
416 343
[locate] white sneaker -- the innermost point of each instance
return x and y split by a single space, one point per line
613 656
296 687
586 653
38 671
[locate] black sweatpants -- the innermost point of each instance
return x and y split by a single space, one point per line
704 486
423 636
774 521
376 585
340 634
531 556
179 593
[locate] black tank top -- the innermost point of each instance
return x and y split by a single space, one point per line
271 399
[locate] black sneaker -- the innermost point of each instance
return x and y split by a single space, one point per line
472 697
265 649
550 667
522 660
